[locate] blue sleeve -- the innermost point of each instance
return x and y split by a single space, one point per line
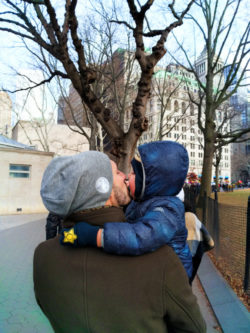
156 228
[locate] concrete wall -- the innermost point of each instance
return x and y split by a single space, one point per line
22 193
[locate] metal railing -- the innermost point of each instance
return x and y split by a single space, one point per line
230 228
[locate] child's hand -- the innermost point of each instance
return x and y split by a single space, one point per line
82 234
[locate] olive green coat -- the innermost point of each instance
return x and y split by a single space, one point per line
88 290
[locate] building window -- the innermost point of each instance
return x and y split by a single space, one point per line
176 106
192 154
192 146
191 110
183 107
184 129
19 171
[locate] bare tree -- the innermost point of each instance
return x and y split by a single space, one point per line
31 111
35 119
216 21
39 22
229 130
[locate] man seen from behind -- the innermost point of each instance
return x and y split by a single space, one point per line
88 290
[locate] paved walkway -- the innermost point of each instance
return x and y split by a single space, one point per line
229 310
19 312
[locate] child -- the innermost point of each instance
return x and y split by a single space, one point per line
157 216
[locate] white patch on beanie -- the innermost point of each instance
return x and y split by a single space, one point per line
102 185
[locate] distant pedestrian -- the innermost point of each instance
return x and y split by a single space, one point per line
53 225
198 239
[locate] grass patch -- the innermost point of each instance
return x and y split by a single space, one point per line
236 198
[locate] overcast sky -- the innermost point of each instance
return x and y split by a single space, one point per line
12 52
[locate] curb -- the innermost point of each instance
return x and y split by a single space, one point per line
229 310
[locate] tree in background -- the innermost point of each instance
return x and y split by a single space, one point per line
115 84
56 33
216 22
34 109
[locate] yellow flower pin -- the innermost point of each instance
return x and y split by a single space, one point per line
69 236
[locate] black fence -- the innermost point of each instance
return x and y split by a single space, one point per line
230 228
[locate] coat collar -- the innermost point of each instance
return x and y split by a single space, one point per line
96 216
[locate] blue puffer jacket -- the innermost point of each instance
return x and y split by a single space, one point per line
158 218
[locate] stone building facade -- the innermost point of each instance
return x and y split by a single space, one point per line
21 171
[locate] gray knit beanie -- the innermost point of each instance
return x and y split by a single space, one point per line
73 183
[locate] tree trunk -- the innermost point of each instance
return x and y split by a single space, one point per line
125 160
92 141
207 168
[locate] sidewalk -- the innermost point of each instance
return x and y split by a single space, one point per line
10 221
206 310
231 314
19 312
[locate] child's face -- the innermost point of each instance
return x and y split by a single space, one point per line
131 182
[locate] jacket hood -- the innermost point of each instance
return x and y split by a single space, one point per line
165 167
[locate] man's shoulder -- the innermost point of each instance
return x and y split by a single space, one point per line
165 258
47 246
170 262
